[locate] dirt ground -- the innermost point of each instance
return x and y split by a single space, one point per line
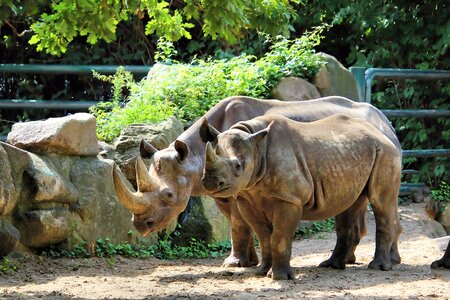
206 279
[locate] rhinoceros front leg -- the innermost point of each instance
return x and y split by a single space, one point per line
243 253
263 229
444 262
350 228
286 217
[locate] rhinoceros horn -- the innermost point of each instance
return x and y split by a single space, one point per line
144 182
132 201
210 155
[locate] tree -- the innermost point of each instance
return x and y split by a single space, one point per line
98 20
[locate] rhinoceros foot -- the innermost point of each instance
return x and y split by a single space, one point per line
378 264
333 263
442 263
233 261
281 274
242 260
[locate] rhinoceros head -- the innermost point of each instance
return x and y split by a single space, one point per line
163 190
230 159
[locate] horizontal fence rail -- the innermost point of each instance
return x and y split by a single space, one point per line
57 104
416 113
70 69
82 105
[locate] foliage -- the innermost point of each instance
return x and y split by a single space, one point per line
66 20
189 90
395 34
163 249
7 266
316 227
441 195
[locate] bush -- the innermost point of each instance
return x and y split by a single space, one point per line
163 249
189 90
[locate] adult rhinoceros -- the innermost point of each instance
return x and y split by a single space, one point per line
175 173
281 171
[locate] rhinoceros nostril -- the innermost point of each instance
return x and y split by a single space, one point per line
220 184
150 224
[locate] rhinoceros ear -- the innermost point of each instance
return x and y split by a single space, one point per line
207 132
259 135
146 149
182 149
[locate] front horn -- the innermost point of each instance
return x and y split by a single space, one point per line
144 182
132 201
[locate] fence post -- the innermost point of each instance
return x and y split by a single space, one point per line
359 75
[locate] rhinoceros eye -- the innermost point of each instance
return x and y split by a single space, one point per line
169 196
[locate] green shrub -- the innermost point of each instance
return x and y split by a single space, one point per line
163 249
315 228
189 90
441 195
7 266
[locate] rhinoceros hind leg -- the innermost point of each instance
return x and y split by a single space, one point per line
383 196
350 228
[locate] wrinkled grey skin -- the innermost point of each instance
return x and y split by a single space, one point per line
178 168
282 171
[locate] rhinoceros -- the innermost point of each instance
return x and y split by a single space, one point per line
281 171
175 172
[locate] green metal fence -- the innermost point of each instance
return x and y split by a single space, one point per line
364 79
58 104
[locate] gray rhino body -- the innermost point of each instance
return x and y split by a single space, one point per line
282 171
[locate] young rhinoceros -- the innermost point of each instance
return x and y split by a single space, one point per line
281 171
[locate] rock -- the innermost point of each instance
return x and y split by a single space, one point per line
50 185
106 151
98 213
13 163
433 229
202 220
295 89
333 79
9 237
444 218
70 135
41 228
127 144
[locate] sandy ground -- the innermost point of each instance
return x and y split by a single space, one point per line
206 279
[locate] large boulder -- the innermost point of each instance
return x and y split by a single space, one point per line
13 163
127 144
295 89
48 177
70 135
202 220
333 79
40 228
98 213
444 218
9 237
